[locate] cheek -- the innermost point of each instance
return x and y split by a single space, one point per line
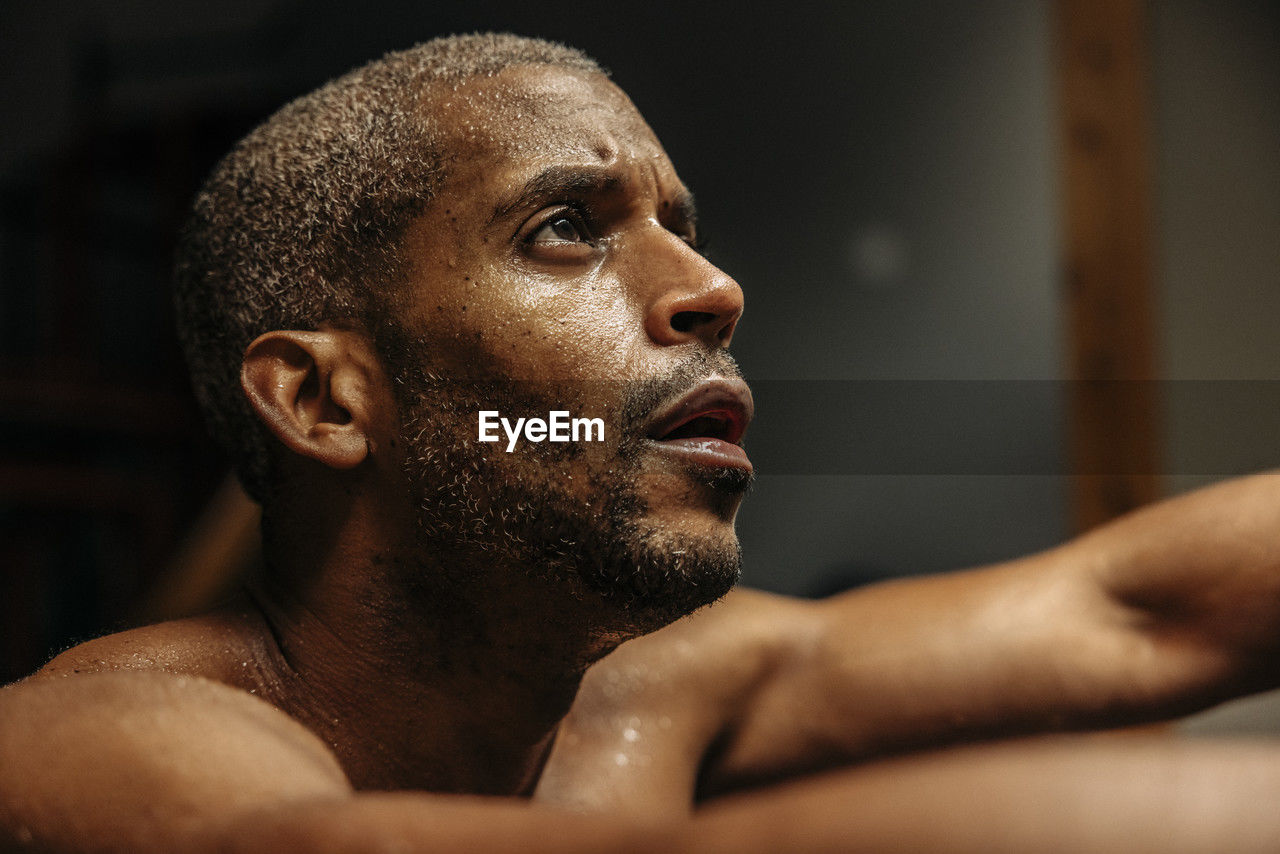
588 334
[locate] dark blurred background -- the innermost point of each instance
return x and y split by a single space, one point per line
954 215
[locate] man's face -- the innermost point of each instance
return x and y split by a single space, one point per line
556 270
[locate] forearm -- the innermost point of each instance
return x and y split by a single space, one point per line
1099 795
1090 795
1079 794
414 823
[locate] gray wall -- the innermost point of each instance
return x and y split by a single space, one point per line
919 245
1216 74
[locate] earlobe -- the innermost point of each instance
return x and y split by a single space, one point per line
311 393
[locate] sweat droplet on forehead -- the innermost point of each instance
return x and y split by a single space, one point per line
532 110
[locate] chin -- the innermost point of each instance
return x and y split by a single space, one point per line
659 571
701 501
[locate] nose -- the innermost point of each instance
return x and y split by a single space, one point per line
695 302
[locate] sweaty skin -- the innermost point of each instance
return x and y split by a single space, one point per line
338 708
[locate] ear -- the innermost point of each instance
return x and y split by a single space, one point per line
314 391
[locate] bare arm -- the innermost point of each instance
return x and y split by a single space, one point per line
1085 795
1166 611
145 763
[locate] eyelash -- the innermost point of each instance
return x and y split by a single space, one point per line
698 243
576 214
584 221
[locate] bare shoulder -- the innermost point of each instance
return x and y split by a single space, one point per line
135 758
226 646
149 763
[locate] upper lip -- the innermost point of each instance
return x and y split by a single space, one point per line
727 401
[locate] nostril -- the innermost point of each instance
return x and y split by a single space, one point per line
687 321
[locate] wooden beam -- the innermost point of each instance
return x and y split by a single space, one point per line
1106 167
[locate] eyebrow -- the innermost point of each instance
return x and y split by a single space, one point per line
564 182
559 182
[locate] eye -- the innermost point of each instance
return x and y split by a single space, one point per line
697 242
562 227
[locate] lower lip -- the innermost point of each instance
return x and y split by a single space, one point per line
716 453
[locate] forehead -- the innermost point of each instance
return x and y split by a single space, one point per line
530 116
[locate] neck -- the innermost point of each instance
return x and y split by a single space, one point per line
428 688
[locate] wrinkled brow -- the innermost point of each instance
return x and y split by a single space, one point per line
569 182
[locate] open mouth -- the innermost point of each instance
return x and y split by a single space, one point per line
706 424
718 424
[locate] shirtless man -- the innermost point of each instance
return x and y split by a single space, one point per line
435 660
